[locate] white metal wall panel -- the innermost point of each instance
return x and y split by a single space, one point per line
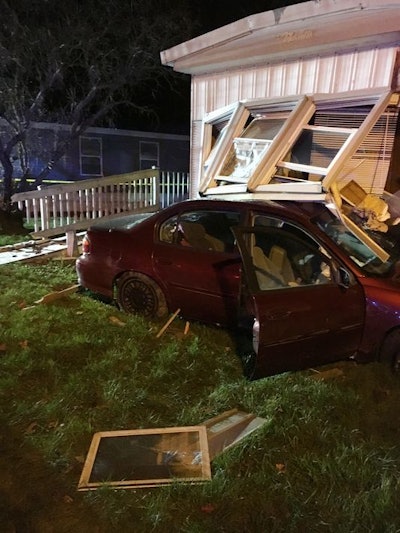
339 73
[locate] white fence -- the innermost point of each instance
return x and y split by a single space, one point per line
74 206
174 187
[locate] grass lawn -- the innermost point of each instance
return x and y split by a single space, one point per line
327 459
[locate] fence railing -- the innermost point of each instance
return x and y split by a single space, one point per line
74 206
174 187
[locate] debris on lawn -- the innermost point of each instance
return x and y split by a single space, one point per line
229 428
115 320
31 428
208 508
168 323
280 468
187 326
52 296
57 295
328 374
144 458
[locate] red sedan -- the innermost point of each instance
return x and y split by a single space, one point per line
296 284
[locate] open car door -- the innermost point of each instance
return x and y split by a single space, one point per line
304 307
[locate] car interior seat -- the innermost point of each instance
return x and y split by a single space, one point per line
268 274
279 257
196 236
216 244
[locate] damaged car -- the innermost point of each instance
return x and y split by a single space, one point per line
289 278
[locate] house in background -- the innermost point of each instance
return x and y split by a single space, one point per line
308 92
103 152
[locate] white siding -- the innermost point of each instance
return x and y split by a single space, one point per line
339 73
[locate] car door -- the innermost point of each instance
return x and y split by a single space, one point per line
303 315
198 263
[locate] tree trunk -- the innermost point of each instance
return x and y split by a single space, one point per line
7 181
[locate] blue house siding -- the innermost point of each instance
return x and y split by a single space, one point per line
103 152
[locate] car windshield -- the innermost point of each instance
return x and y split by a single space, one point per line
358 252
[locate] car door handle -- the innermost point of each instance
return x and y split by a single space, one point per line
278 315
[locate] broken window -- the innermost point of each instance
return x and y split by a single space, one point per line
143 458
146 458
276 146
276 149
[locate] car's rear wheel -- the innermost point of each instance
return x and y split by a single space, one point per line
390 350
137 293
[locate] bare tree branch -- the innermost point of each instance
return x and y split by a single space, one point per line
76 63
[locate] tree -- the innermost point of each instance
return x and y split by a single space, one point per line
76 63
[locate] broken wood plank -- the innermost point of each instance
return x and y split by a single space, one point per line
168 323
47 298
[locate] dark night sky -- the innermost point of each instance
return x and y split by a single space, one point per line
216 13
173 108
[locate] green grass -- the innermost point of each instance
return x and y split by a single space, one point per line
327 459
8 240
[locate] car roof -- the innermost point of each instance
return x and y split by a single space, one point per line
302 209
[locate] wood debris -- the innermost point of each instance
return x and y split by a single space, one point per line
52 296
115 320
328 374
47 298
168 323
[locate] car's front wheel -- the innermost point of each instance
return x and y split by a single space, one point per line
137 293
390 350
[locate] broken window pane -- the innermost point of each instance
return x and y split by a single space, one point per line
146 458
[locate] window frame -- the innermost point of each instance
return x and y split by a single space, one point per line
91 157
153 162
264 183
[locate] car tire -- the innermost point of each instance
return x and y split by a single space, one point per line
137 293
390 350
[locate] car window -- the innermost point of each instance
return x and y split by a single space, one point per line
268 221
167 231
355 249
282 259
203 230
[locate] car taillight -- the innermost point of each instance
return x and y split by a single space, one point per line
86 245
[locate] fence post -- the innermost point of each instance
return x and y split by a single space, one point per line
72 243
